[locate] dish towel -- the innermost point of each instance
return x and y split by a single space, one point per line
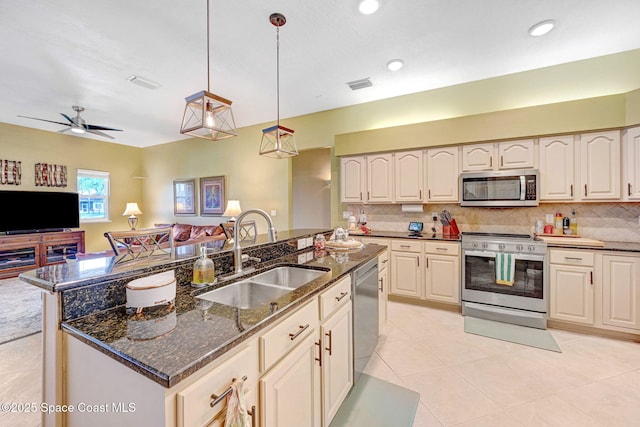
236 407
505 269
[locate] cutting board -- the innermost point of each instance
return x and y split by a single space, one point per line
573 241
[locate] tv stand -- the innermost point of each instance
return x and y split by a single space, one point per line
21 252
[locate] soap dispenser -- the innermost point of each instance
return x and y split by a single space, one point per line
203 269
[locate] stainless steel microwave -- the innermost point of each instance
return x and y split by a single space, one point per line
500 188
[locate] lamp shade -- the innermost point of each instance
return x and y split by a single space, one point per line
233 208
132 209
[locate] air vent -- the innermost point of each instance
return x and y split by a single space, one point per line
360 84
141 81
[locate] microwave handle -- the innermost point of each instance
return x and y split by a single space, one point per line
523 187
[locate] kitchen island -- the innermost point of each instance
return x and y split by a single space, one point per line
146 360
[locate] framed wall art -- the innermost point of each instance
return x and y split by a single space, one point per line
48 175
184 197
10 172
213 195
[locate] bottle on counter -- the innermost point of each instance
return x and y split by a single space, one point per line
557 229
203 269
573 223
565 225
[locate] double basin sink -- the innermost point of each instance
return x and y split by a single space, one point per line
263 288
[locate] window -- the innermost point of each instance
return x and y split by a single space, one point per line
93 191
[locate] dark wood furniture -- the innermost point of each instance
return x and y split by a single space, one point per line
23 252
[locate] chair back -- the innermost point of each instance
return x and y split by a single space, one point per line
134 244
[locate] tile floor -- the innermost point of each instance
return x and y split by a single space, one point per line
463 379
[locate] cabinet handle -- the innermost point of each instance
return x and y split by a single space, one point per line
429 194
300 330
572 258
368 196
330 342
385 261
629 188
585 190
427 261
381 284
501 161
418 261
319 358
218 398
442 249
491 162
361 195
252 414
342 295
571 187
420 194
591 277
405 246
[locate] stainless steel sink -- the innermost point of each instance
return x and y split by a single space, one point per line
245 294
287 276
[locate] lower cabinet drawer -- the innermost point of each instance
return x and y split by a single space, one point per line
277 342
563 256
442 248
334 297
406 245
194 402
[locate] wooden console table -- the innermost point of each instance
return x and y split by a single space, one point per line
23 252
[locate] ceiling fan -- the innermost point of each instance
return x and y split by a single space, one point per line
77 124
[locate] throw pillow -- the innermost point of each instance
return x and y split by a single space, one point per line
181 232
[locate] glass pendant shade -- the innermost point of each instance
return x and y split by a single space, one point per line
208 116
278 142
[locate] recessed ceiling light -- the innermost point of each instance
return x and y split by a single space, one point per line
141 81
542 28
395 64
367 7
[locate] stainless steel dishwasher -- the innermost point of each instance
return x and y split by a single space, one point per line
364 282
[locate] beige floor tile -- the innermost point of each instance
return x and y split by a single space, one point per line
424 418
449 397
379 369
408 357
549 412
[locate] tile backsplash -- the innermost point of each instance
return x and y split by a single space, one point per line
616 222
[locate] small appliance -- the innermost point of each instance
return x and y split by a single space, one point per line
150 291
415 228
500 188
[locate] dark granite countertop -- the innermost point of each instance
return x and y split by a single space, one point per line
608 246
405 235
58 277
167 345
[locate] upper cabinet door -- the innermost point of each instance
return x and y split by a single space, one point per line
477 157
380 178
442 174
516 154
556 168
408 176
631 182
599 165
353 179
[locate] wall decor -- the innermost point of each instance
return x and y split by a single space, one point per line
184 197
10 172
48 175
213 195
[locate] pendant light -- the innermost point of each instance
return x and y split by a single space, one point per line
207 115
278 141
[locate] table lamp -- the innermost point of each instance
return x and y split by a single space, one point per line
233 210
132 210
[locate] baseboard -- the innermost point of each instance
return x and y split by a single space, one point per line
433 304
592 330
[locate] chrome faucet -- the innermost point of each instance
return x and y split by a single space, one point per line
237 249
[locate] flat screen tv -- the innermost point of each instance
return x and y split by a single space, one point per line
38 211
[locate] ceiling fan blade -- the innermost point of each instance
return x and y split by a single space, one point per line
97 132
44 120
65 130
67 117
95 127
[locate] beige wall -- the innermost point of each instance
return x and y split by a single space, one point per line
35 146
311 193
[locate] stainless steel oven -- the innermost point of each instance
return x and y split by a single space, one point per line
525 301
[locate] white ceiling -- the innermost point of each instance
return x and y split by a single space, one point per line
55 54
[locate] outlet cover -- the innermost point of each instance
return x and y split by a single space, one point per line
301 243
346 214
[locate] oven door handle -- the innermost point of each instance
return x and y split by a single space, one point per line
487 254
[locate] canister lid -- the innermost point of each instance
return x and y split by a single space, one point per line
154 281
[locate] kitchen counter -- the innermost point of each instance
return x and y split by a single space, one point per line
196 332
608 246
405 235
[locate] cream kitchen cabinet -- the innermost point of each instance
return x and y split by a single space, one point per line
441 175
290 392
621 291
353 179
517 154
631 166
379 178
477 157
408 176
442 271
571 286
556 161
599 155
406 274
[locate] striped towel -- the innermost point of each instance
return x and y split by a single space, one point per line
505 269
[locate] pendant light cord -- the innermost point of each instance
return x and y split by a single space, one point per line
278 73
208 67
